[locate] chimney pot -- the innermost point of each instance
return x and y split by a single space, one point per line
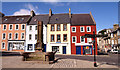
50 12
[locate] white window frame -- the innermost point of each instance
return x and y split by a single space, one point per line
2 45
9 26
89 28
75 29
75 39
3 26
15 27
29 28
5 36
15 36
29 36
21 36
35 27
89 39
80 40
24 27
9 35
83 29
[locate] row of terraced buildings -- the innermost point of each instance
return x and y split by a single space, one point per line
62 32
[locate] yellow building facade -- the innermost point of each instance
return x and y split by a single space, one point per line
58 39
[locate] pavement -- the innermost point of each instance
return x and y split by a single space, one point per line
64 61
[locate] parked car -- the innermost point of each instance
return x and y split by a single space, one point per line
114 51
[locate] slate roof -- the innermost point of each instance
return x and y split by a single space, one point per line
59 18
44 18
81 19
15 19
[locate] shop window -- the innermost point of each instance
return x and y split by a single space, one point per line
55 48
30 47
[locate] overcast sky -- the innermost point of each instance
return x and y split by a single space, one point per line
104 13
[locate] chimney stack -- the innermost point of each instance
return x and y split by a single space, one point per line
69 13
50 12
32 13
115 26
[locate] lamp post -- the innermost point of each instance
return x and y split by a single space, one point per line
95 64
93 36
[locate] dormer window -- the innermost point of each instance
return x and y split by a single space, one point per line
17 19
35 20
56 18
5 20
22 19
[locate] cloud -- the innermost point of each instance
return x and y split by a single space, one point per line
26 10
22 12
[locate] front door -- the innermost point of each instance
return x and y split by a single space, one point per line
64 49
78 49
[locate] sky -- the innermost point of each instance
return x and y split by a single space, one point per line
104 13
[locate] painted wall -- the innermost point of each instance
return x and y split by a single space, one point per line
13 31
78 34
62 43
33 32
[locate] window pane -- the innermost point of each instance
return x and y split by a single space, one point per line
23 26
64 27
52 37
58 27
35 27
82 39
4 27
58 38
10 27
16 26
30 27
35 36
74 39
30 37
22 35
81 28
10 36
52 27
65 37
4 36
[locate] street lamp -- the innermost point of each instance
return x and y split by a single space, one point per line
95 64
93 36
